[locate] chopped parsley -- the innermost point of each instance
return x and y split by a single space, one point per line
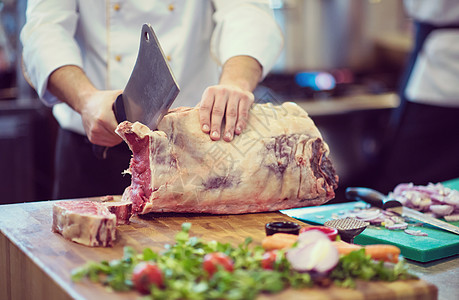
185 278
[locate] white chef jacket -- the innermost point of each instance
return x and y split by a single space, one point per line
435 76
103 37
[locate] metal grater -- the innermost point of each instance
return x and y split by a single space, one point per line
348 228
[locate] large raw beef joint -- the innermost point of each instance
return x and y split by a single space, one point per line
280 161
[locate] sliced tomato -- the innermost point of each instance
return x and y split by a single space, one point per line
332 233
213 260
268 260
145 275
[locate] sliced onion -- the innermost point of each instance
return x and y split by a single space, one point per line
388 213
429 198
415 232
452 218
442 210
453 198
397 226
377 221
315 252
425 204
414 198
402 187
388 222
368 215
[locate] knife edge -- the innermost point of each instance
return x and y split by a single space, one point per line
414 214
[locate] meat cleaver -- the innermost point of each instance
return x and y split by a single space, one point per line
150 90
378 199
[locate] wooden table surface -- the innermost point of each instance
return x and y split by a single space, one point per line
36 263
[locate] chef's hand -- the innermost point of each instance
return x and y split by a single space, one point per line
99 121
230 99
71 85
224 101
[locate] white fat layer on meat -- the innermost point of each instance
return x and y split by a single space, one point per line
189 170
86 229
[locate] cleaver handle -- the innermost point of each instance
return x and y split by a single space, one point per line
118 109
373 197
120 114
99 151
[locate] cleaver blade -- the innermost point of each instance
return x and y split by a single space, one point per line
152 87
150 90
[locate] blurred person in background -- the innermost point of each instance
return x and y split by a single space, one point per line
7 56
423 145
79 55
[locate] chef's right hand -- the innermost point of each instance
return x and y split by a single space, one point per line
99 121
70 84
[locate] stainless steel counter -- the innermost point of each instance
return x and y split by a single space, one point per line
444 273
340 105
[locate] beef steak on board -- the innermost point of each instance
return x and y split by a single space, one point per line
85 222
121 209
280 161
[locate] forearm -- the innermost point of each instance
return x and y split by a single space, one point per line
242 71
71 85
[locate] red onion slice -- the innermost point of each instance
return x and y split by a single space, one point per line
453 198
442 210
452 218
415 232
432 198
397 226
388 222
425 204
368 213
398 190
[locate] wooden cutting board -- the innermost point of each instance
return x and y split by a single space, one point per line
36 263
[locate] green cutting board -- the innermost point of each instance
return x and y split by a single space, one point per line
438 244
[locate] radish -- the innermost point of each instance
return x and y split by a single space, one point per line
315 252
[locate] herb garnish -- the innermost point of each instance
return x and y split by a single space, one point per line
185 278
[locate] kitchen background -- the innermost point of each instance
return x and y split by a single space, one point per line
342 62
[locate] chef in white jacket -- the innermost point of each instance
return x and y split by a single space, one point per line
424 144
79 55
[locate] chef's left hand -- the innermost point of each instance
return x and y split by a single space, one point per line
225 101
230 99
